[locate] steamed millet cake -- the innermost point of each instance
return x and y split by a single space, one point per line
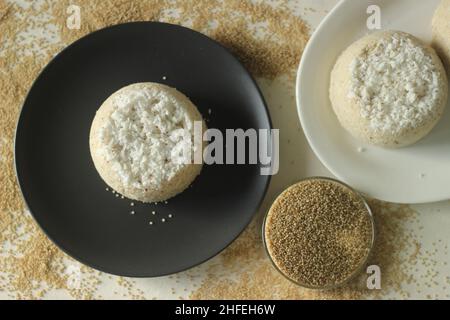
441 32
388 89
133 139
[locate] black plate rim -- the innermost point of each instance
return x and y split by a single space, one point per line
19 177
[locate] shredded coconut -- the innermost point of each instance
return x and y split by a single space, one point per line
396 83
142 133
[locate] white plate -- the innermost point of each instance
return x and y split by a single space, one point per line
416 174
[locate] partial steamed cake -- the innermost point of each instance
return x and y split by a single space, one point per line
441 31
137 140
388 89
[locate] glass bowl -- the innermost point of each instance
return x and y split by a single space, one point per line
364 261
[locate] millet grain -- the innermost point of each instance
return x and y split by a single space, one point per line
318 233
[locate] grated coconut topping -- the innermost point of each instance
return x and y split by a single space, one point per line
141 136
396 83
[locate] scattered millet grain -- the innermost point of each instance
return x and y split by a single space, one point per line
243 271
260 34
318 233
30 265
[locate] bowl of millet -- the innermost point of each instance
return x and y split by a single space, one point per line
319 233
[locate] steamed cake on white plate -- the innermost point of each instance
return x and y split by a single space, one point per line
388 89
133 139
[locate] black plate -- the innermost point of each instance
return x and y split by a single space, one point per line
66 195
